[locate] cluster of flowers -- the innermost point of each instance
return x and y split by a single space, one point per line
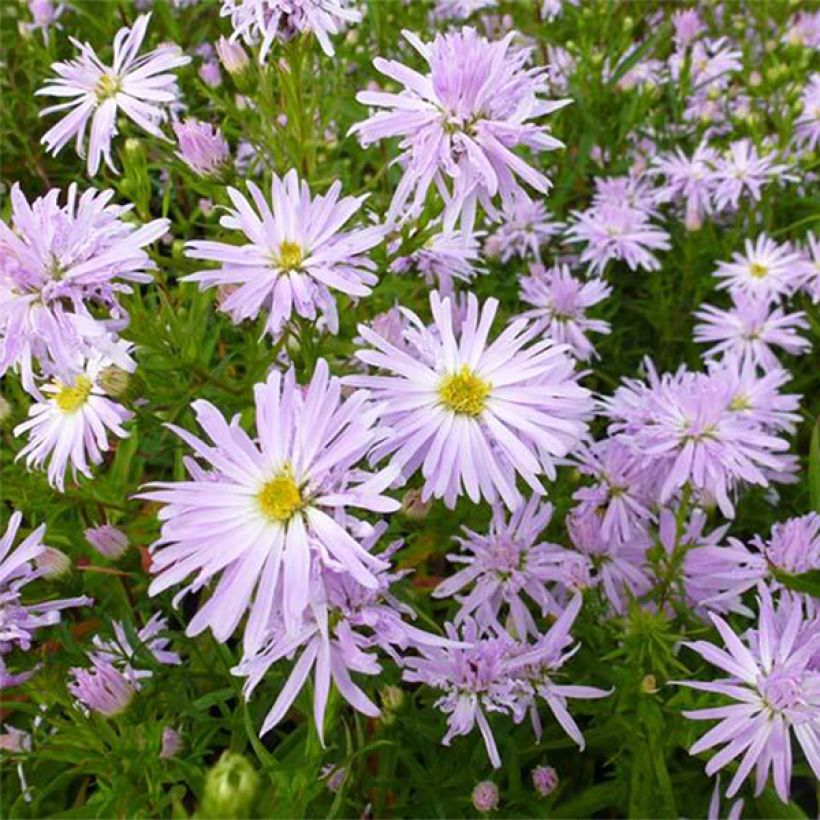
270 522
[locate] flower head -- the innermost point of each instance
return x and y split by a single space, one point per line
544 780
807 125
460 123
485 796
139 87
525 227
743 171
101 688
294 256
470 413
444 258
201 147
107 540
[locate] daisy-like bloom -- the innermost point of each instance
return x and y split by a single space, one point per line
688 181
617 232
18 621
45 14
688 27
263 22
446 257
294 256
107 540
766 270
71 424
812 259
201 147
123 656
803 30
559 303
139 87
774 679
743 171
259 514
57 262
461 122
342 625
807 125
101 688
470 413
686 428
726 572
525 227
750 329
505 567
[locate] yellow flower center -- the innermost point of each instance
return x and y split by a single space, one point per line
107 86
464 392
290 255
280 498
757 270
71 398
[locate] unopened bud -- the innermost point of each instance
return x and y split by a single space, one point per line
114 381
649 685
53 563
414 507
544 780
485 796
230 787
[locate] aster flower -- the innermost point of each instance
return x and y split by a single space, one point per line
343 625
232 56
807 125
445 257
772 678
57 263
263 22
505 567
201 147
107 540
473 414
767 270
45 14
71 424
688 181
544 780
294 256
139 87
743 171
485 796
258 516
20 621
688 27
559 303
803 30
750 329
812 258
525 227
686 429
617 232
460 122
101 688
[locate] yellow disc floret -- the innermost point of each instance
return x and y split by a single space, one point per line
464 392
290 255
757 270
107 86
70 398
280 498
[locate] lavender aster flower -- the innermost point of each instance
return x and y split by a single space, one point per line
201 147
57 262
743 171
107 540
525 227
18 621
259 515
807 125
101 688
447 256
460 122
294 256
775 682
812 258
270 20
71 425
750 330
473 414
560 302
767 270
617 232
140 87
689 181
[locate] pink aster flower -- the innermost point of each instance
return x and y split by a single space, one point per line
743 171
461 122
62 267
688 181
140 87
20 621
262 22
617 232
101 688
803 30
71 424
295 255
259 515
807 125
559 303
485 796
766 270
504 568
446 257
201 147
470 413
525 227
688 27
107 540
750 329
773 678
544 780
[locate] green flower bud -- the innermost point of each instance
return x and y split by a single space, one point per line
115 381
230 788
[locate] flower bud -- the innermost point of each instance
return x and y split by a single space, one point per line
171 743
114 381
234 58
485 796
413 506
5 410
107 540
649 685
230 787
53 563
544 780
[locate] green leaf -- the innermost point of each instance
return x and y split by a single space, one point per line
808 582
